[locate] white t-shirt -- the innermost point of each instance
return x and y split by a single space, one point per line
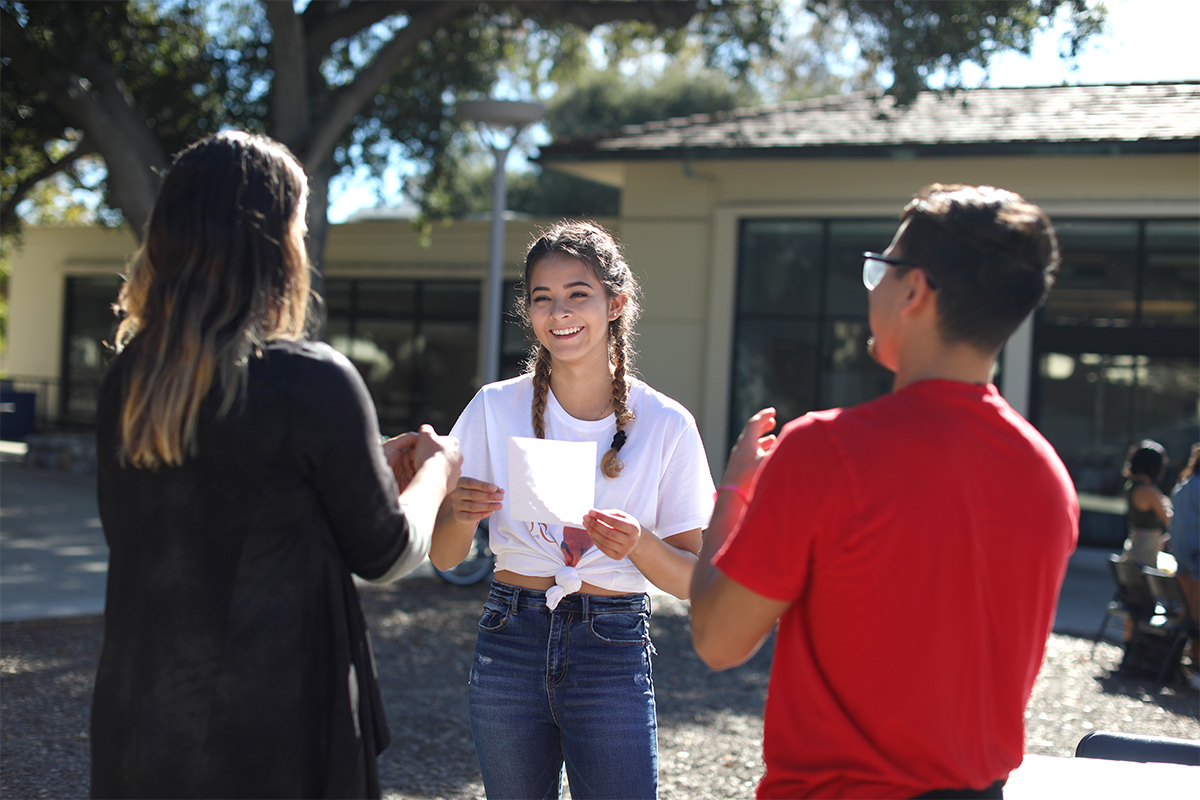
666 483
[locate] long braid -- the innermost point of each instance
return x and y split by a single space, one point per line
611 465
541 387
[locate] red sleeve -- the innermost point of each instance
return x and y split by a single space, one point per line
801 492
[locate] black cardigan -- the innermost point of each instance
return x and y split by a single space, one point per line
233 635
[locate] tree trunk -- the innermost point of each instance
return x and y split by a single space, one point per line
98 104
290 108
318 217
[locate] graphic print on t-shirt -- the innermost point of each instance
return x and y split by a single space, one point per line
575 543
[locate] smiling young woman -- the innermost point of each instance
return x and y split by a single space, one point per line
562 666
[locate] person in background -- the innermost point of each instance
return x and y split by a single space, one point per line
1149 511
562 667
1185 545
241 482
911 548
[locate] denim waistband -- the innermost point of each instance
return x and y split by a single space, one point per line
585 604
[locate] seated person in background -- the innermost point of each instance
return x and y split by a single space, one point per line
1185 544
911 548
1149 511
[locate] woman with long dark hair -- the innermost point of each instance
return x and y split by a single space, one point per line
241 483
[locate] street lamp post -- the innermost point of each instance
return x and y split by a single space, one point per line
500 122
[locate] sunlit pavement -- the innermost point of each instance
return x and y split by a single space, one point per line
54 563
53 559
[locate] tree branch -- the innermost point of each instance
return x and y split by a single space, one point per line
663 13
101 108
341 107
326 23
8 211
118 104
289 87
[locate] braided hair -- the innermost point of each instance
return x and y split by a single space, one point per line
596 247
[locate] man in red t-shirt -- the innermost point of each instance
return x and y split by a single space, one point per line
910 548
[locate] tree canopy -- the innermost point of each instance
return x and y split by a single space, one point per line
598 101
343 84
354 84
915 40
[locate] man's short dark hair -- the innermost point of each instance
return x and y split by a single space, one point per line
992 254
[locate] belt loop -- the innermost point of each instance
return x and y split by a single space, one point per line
514 602
586 608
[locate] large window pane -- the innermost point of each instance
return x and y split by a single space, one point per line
847 241
337 298
383 299
775 365
447 370
514 341
337 307
414 342
387 354
1094 406
849 375
1168 406
1087 414
450 300
780 267
1171 287
793 276
1097 283
90 324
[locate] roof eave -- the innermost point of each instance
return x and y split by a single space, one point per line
880 151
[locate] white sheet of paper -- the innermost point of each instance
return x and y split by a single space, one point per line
550 481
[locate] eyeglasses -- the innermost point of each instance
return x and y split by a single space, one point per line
875 267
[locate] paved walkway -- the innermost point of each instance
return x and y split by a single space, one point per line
54 563
53 560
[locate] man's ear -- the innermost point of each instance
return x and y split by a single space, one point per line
916 294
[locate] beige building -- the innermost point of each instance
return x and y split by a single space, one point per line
747 232
407 314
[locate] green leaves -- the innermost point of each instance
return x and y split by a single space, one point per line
918 39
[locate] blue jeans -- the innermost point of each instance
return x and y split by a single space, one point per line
571 686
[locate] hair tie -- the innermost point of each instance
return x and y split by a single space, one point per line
618 440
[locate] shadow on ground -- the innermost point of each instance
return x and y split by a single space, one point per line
710 724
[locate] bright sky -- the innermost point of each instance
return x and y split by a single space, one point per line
1147 41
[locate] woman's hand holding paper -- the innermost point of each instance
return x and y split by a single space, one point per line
615 532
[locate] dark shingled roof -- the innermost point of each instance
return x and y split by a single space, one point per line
1123 118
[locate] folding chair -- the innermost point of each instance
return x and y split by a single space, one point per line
1131 601
1174 624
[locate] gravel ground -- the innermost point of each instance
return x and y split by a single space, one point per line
710 724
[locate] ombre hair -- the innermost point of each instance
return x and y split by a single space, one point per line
222 271
596 247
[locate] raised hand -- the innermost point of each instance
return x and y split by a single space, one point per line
429 445
399 454
751 448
